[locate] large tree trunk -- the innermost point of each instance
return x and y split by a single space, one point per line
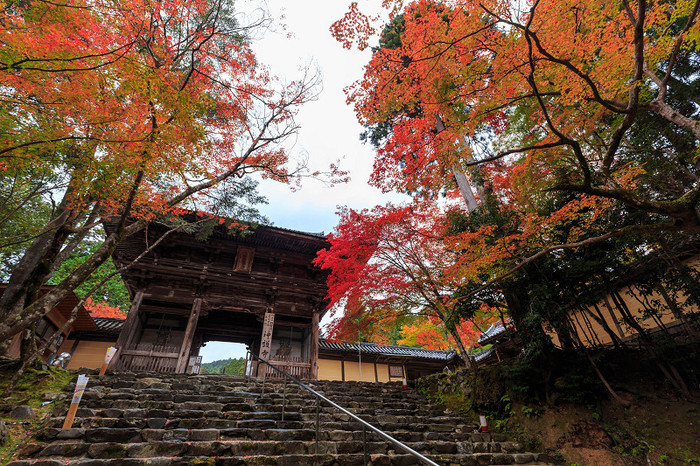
21 305
28 348
17 321
32 269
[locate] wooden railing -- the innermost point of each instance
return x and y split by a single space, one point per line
295 366
147 357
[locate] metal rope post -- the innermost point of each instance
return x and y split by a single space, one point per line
284 398
364 443
264 377
318 420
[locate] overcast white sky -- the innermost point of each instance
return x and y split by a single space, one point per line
329 129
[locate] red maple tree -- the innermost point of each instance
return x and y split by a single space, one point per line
388 262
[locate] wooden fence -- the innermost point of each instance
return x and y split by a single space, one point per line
148 357
295 366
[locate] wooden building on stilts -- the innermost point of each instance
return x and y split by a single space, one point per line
259 288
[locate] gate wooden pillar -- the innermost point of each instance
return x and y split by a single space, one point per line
266 341
131 327
189 336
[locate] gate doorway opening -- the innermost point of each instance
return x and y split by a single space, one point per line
230 358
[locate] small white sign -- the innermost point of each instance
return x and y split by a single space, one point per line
111 351
484 427
79 388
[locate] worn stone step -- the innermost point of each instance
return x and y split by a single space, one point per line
278 442
356 459
158 432
124 425
167 395
147 418
334 415
324 407
392 427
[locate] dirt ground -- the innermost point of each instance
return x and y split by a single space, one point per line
651 431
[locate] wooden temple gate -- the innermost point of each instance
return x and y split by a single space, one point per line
260 289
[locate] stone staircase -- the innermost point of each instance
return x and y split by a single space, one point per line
156 419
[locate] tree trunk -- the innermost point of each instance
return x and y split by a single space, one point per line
672 375
687 327
460 346
605 381
18 317
452 328
465 189
616 341
35 266
28 348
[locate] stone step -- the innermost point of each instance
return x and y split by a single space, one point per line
187 383
291 412
229 394
182 381
96 400
279 442
87 425
101 404
146 418
327 433
352 459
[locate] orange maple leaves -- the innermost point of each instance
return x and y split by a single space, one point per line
556 74
168 89
541 97
103 309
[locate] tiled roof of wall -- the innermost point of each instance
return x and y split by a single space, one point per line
386 350
494 331
107 324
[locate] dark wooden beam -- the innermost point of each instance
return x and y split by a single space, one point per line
189 335
132 324
130 327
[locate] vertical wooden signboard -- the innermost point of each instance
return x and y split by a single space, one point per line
266 340
195 365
